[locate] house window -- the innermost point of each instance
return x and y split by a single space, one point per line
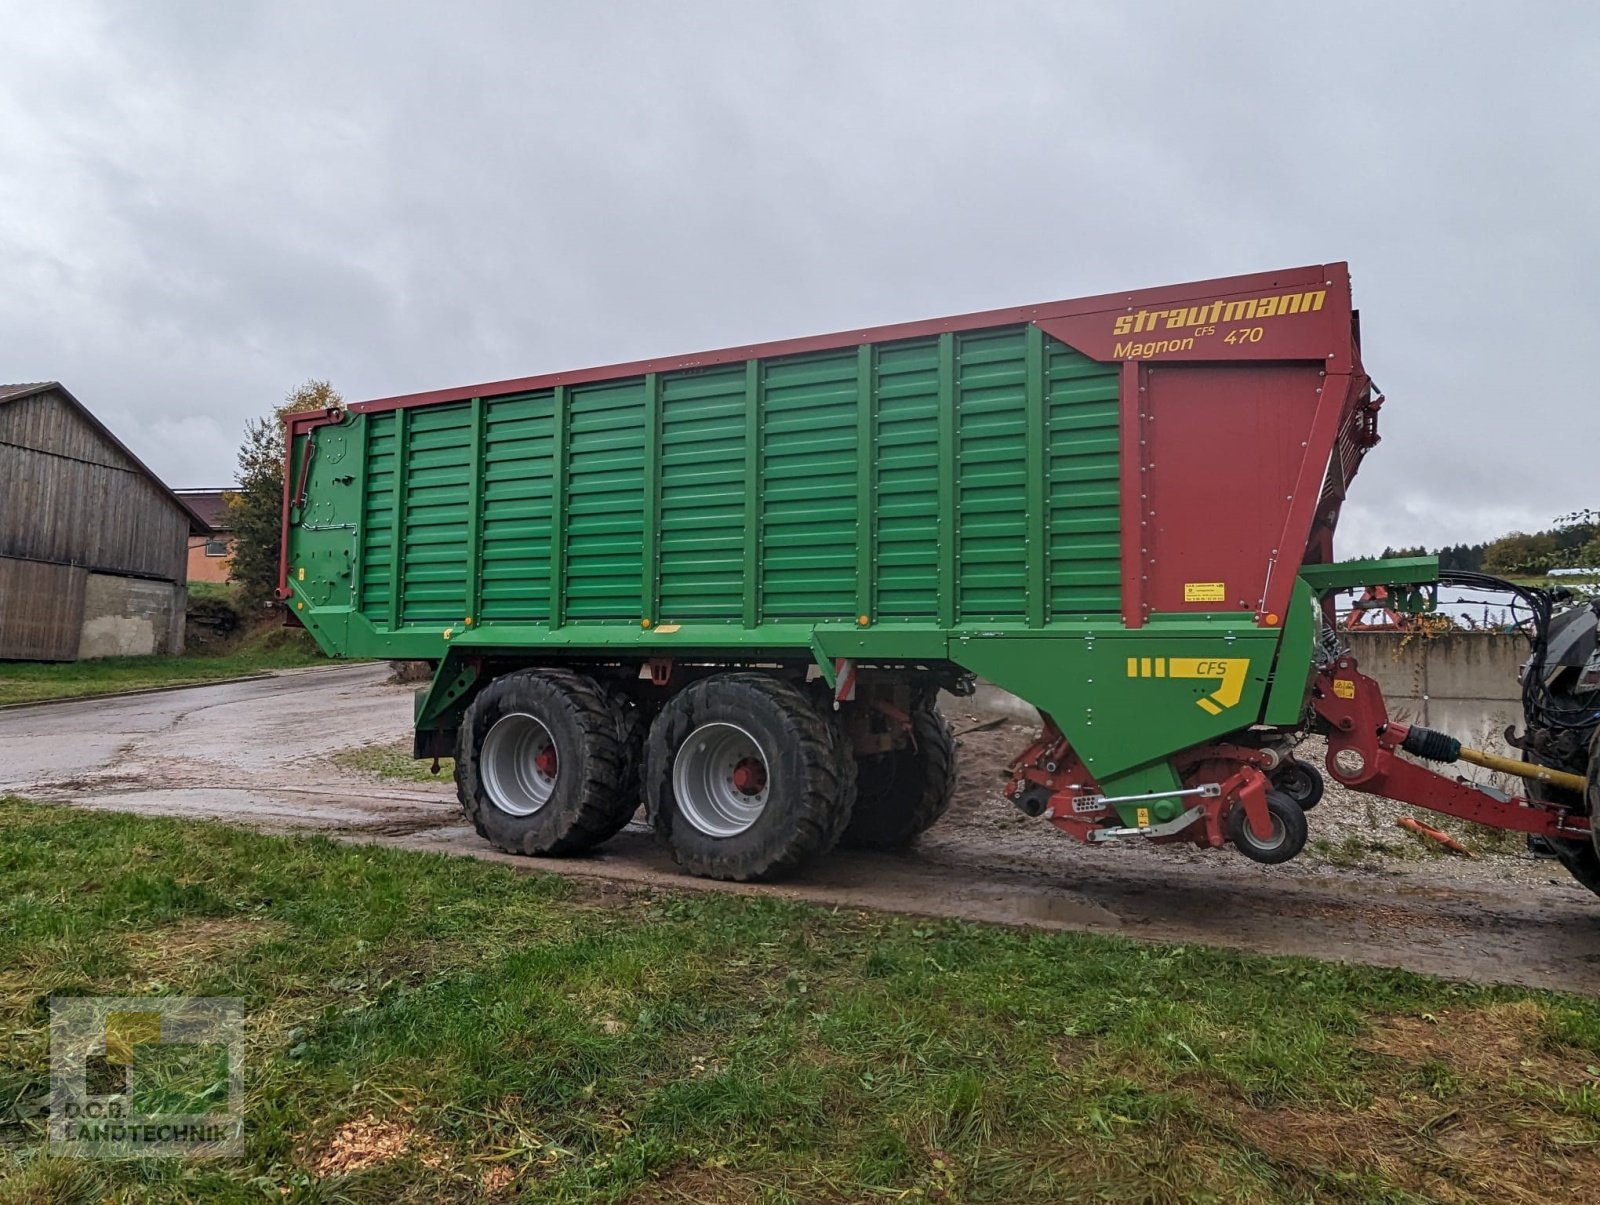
216 548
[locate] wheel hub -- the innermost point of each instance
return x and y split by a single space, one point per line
750 777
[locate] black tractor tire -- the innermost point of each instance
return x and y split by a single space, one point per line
1581 858
1300 781
1289 831
902 793
586 801
809 786
1591 796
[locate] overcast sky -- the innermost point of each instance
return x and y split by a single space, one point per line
202 205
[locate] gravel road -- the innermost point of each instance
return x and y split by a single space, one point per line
258 753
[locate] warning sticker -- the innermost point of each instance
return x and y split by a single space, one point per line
1205 591
1344 688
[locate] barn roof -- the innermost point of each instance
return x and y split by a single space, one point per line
210 504
13 393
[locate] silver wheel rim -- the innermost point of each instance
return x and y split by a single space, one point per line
518 764
1279 834
720 780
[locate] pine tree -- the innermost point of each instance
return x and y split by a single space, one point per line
255 509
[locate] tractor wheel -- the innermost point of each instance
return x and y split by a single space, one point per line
1289 831
1300 781
539 764
1581 858
1591 796
902 793
744 778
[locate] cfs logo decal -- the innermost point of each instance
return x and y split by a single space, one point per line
1230 671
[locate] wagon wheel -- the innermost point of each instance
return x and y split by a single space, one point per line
743 778
902 793
539 765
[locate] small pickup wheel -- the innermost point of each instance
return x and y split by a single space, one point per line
901 794
1289 831
1300 781
743 778
539 764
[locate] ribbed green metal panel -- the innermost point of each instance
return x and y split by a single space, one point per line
1083 471
792 543
992 479
907 480
438 491
518 496
606 440
377 517
809 493
701 547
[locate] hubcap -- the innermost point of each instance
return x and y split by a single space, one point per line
518 764
1279 833
719 779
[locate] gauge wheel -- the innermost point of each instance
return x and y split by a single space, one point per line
1289 831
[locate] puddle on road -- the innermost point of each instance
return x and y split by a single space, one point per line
1063 910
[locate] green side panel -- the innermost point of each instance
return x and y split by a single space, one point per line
1126 699
438 458
906 480
605 500
942 483
991 475
809 498
518 496
1291 679
377 549
1083 473
701 572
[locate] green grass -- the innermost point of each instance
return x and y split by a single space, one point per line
275 648
393 761
428 1028
225 592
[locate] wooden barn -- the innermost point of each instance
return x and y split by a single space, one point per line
93 546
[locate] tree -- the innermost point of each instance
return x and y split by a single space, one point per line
255 509
1520 554
1578 540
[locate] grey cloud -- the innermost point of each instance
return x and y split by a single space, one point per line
201 206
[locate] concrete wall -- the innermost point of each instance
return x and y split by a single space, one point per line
131 617
1463 683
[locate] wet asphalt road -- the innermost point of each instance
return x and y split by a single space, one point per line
257 752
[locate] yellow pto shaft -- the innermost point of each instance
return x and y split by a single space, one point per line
1522 769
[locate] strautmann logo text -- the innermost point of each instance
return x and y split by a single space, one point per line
1246 309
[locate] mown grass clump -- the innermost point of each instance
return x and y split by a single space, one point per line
393 761
429 1028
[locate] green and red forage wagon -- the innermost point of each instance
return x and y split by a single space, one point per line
731 584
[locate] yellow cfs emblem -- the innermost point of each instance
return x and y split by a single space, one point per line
1229 671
